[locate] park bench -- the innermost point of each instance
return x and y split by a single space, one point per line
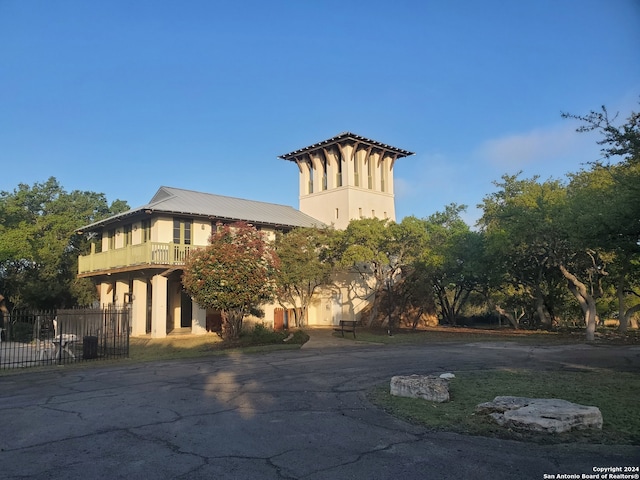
347 326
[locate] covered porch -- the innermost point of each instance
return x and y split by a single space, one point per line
159 306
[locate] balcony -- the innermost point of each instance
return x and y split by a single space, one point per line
150 253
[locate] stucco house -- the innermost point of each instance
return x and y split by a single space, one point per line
137 256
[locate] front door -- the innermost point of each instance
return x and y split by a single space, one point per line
186 310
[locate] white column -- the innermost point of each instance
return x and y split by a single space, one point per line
347 153
318 171
389 165
122 287
307 177
106 294
304 177
198 319
139 307
375 158
159 306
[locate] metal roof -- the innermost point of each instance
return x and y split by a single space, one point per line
177 201
346 136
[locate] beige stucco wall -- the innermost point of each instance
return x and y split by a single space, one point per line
350 203
136 233
162 230
201 232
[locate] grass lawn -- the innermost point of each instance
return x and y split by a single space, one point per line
469 335
192 346
614 393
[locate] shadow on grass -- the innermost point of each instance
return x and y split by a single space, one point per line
193 346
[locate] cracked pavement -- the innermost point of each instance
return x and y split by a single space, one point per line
300 414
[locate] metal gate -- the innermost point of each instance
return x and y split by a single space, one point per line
35 338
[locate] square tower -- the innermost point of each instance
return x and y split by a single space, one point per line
346 177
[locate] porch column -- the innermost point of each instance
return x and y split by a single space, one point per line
106 294
122 287
159 306
199 319
139 307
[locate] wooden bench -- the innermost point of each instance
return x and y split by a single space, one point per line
346 326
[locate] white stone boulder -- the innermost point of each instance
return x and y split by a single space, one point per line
427 387
551 415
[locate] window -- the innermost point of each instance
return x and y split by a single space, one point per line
356 175
146 231
310 178
339 174
324 174
112 239
181 231
98 242
127 235
337 214
369 173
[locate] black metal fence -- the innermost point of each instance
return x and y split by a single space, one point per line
29 339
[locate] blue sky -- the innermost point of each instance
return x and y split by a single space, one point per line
122 97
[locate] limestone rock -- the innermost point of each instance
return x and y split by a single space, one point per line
550 415
447 376
427 387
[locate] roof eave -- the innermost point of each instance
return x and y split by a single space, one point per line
291 156
150 211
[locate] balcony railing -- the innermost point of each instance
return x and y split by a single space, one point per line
150 253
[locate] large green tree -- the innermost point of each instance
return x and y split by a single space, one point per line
304 267
522 239
38 245
378 251
606 204
453 262
541 233
234 274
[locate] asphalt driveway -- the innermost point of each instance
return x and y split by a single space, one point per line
291 414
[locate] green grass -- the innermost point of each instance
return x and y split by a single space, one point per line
192 346
470 335
614 393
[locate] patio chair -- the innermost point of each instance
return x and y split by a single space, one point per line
46 350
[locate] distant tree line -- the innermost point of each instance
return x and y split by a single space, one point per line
39 248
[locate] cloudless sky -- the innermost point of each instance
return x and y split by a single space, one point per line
121 97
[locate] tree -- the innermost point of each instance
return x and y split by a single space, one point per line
38 245
304 267
377 250
519 222
234 274
453 261
607 200
540 229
